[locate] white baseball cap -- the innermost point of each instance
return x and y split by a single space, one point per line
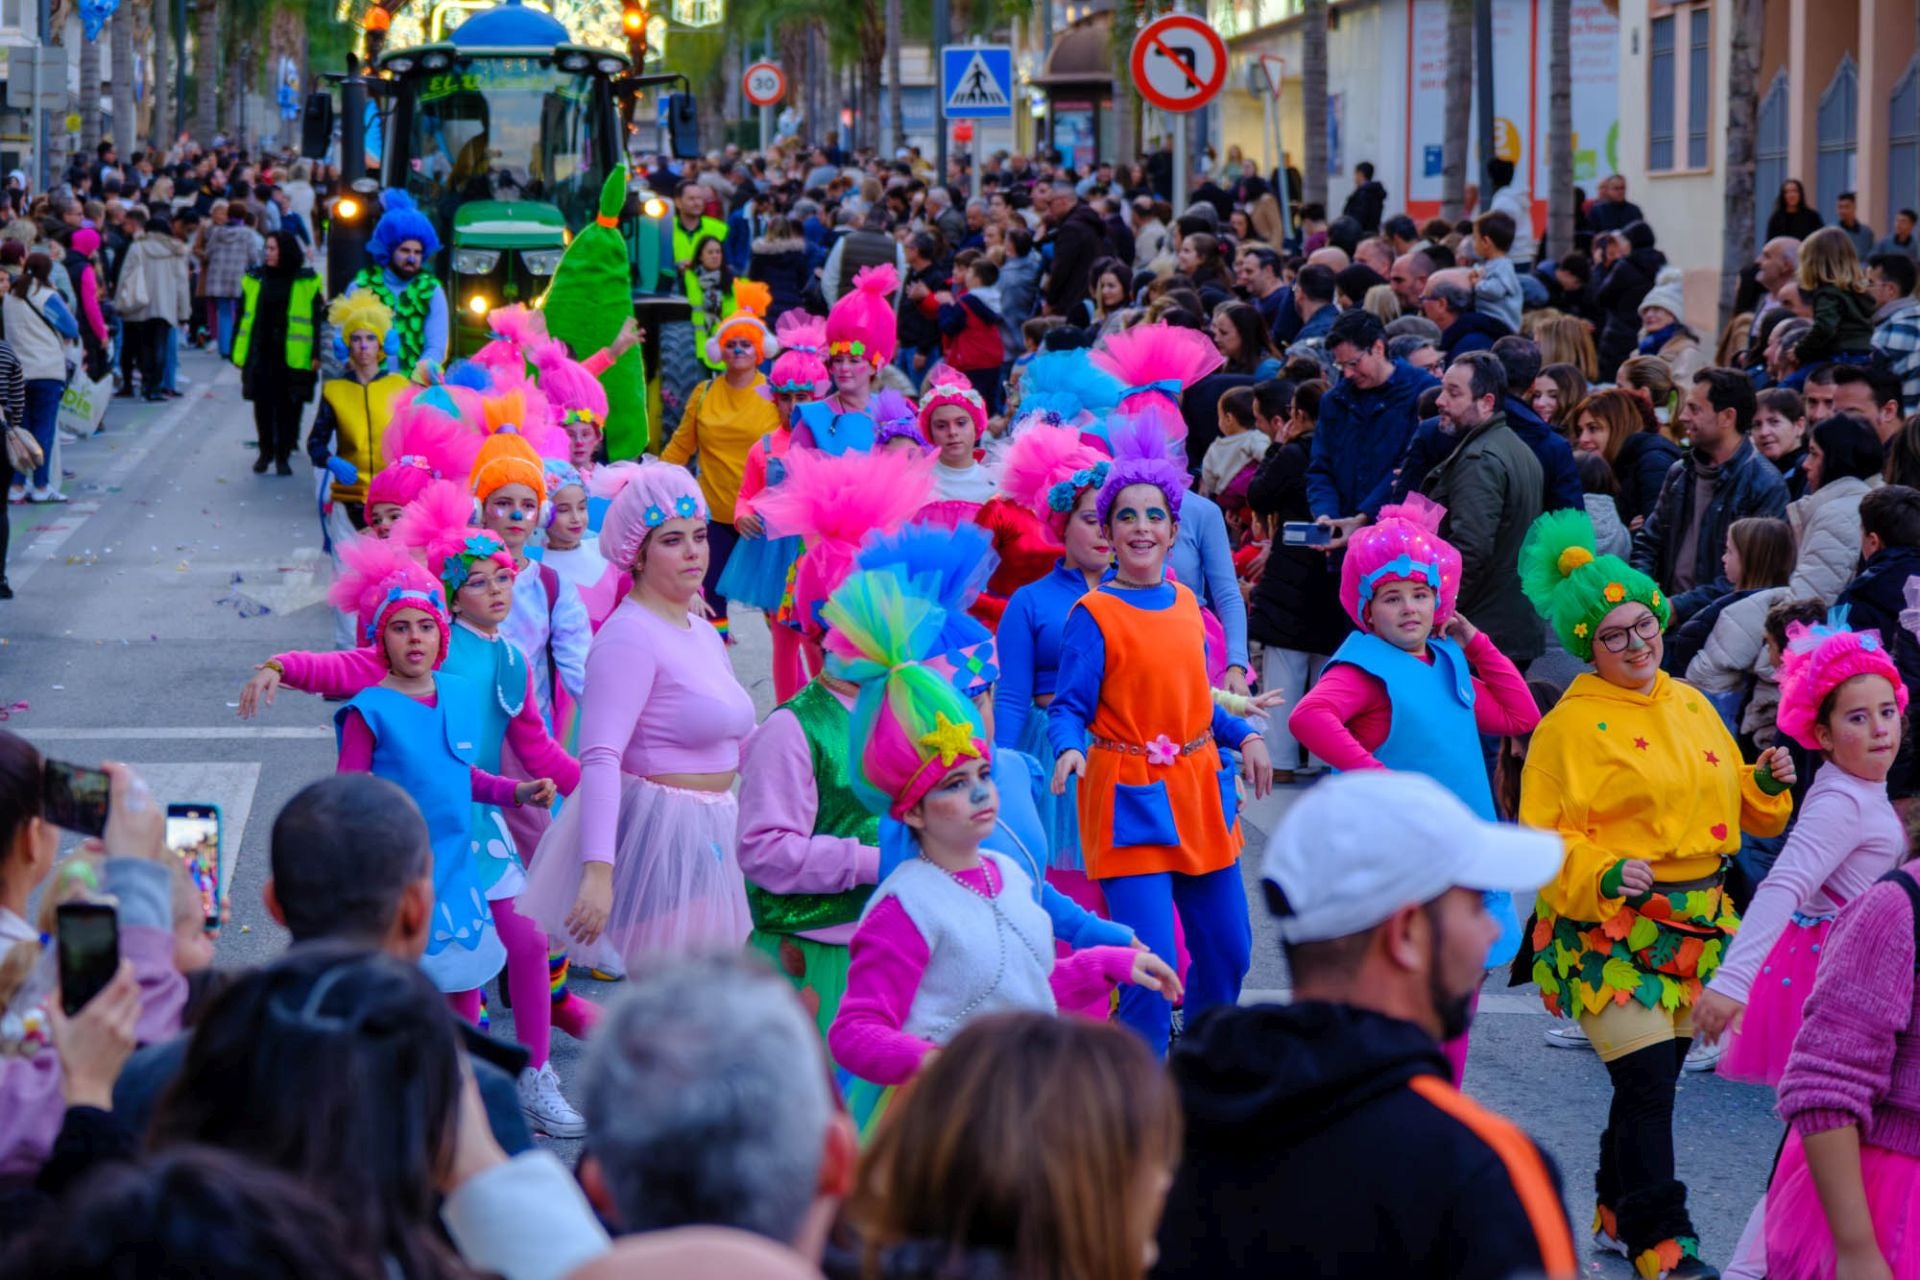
1359 846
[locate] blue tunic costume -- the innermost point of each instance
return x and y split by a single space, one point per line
1028 645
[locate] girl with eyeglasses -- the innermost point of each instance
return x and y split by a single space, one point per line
1641 778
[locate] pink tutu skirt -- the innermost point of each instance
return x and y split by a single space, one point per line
1757 1053
1799 1242
676 886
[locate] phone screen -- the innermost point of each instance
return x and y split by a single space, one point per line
193 832
1300 533
74 798
89 939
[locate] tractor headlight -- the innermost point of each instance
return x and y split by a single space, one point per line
475 262
654 207
542 262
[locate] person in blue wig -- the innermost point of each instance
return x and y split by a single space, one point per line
402 243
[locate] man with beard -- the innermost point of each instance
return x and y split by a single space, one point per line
1322 1136
402 242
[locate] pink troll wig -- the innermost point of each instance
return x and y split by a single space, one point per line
1145 453
573 394
1047 468
422 444
863 323
950 387
1404 544
801 366
516 331
1152 358
439 525
1817 661
642 496
834 502
380 578
909 725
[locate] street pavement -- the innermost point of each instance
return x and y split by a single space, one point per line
144 604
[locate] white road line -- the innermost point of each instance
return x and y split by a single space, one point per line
182 733
229 785
68 520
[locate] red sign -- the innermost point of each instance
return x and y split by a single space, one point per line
765 83
963 132
1178 62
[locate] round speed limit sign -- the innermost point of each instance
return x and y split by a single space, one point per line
765 84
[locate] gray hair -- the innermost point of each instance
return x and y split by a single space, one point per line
1458 297
978 203
1418 326
706 1099
1403 345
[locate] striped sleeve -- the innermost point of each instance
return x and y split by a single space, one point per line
13 386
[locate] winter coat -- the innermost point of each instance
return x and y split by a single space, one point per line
1875 598
1296 603
161 262
1559 476
1610 536
1747 485
1366 204
229 256
1491 485
1641 467
1472 331
1078 242
1360 439
1842 325
1619 295
1019 299
1683 355
1826 532
781 265
918 329
1733 654
1324 1140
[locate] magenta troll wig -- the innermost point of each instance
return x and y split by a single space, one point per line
863 322
1820 659
641 497
1403 544
439 526
1157 359
380 578
573 394
801 366
949 386
1145 451
1047 468
423 443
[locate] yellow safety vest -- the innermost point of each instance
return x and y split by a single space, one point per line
306 290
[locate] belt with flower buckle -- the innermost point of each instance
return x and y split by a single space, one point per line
1161 751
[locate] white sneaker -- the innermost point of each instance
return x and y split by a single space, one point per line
17 494
1704 1057
47 495
1567 1035
547 1109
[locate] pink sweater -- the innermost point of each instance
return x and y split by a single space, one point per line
888 955
664 700
1856 1060
1347 715
753 476
1847 837
778 804
356 756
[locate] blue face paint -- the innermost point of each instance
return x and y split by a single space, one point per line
982 789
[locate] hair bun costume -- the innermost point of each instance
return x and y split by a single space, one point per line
380 578
1047 468
573 394
949 566
1404 545
1821 658
1572 588
1146 450
641 497
423 443
801 366
1066 389
1157 360
863 323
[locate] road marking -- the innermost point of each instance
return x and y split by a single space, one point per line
1503 1003
231 786
183 733
73 516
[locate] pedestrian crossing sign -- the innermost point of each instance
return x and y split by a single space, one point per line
976 82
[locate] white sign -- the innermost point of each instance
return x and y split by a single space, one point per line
765 84
1276 70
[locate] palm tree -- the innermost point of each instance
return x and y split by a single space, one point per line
89 107
164 74
1459 108
120 50
1313 92
206 69
1743 111
1560 204
895 115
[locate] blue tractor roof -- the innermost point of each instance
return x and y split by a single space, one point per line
511 25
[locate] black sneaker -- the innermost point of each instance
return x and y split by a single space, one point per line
6 592
282 468
261 463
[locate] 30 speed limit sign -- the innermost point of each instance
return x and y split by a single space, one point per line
765 84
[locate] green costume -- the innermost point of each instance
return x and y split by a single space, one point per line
409 310
590 298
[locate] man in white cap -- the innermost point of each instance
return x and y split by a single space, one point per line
1323 1137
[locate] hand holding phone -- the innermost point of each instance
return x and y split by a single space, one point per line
1303 533
74 798
193 834
88 937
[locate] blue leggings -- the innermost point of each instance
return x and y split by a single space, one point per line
1213 907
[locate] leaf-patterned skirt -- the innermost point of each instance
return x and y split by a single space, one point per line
1658 949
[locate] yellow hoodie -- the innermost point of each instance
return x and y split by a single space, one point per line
1624 775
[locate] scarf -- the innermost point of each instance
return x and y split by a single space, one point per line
1651 344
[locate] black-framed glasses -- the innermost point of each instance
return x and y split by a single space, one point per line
1617 639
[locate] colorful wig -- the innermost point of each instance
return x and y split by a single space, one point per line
641 497
506 458
360 312
515 331
1404 544
1572 588
1819 660
1144 453
863 322
834 501
895 418
378 579
909 725
422 444
949 566
402 221
801 366
1157 358
1047 468
561 474
949 386
573 394
1066 389
439 525
751 301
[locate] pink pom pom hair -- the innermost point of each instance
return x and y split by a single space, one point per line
516 329
380 578
950 387
801 367
1047 468
642 496
573 394
1403 544
438 525
1818 660
1157 359
863 323
422 444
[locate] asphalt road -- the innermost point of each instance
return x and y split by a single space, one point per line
143 605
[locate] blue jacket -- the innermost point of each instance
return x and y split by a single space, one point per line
1359 439
1747 485
1561 488
1472 331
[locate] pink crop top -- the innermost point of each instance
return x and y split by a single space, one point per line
660 699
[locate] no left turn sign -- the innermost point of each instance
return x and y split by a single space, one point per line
1179 62
765 84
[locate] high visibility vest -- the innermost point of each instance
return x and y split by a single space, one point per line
306 290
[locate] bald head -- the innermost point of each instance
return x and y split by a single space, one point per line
1778 261
1448 293
1409 278
1332 257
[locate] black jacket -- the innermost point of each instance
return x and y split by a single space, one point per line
1641 467
1324 1141
919 329
1366 204
783 267
1078 242
1619 295
1472 331
1875 597
1296 603
1748 485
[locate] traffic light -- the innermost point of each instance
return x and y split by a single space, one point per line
633 21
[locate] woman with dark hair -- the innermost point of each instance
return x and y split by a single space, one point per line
1109 289
38 327
1792 215
1243 339
1555 392
275 349
1780 434
1632 265
1200 260
1843 458
1030 1146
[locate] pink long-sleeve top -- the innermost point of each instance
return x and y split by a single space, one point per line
345 672
1347 716
1856 1060
887 957
89 289
356 756
665 700
1847 837
778 805
753 475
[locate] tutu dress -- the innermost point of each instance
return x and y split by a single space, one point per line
759 569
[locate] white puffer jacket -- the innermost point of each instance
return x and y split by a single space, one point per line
1826 535
1735 652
